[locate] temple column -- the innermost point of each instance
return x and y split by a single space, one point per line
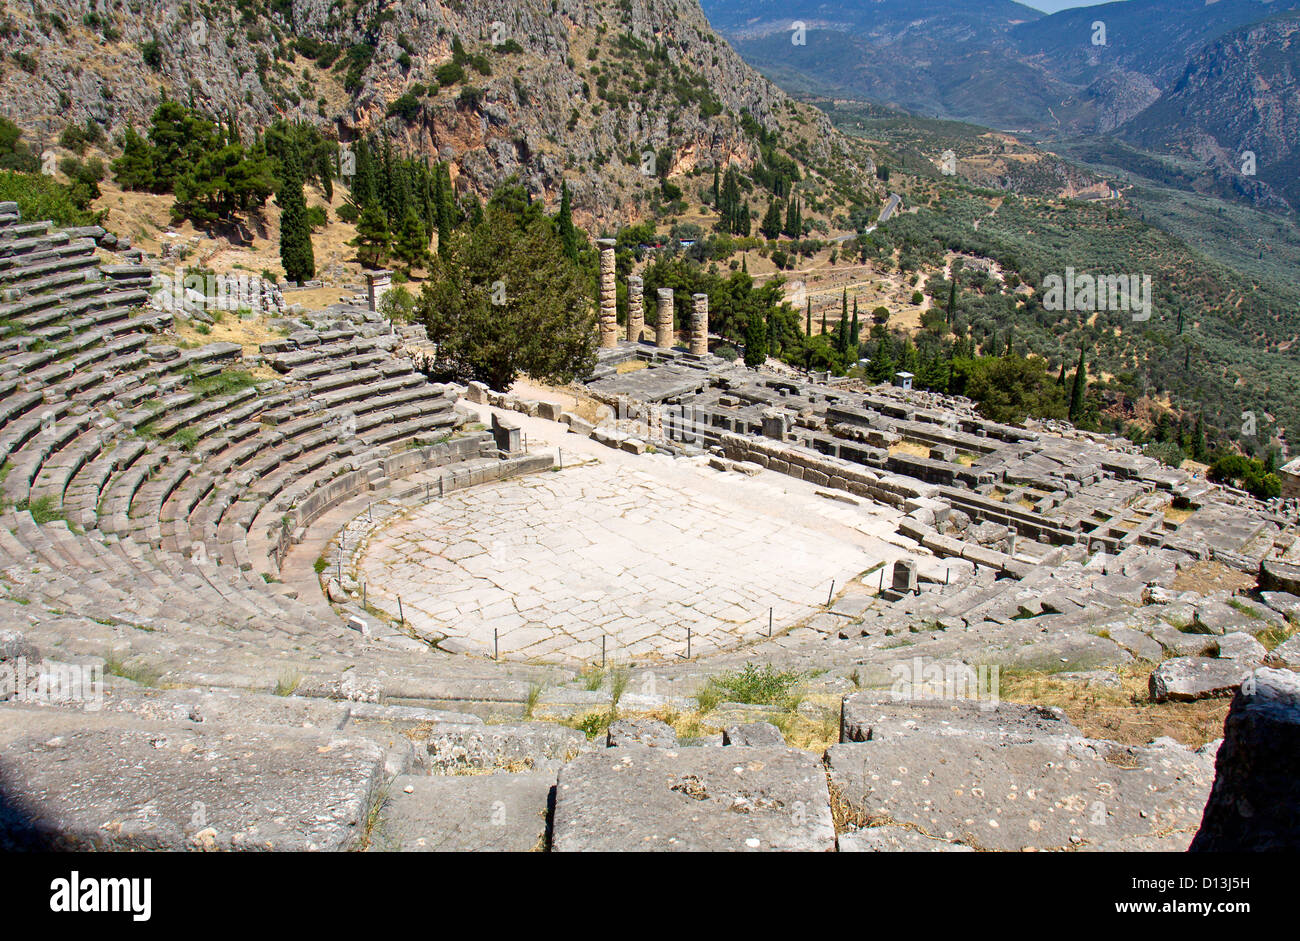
664 321
608 295
700 326
635 308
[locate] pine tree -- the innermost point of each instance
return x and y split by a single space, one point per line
296 254
373 241
412 242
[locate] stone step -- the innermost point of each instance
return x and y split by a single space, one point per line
701 798
505 813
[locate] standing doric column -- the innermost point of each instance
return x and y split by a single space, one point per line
635 308
664 321
700 326
608 295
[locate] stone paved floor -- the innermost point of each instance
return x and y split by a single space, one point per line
635 549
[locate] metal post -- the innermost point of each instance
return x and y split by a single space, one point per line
401 616
496 646
560 454
769 622
363 595
602 651
831 593
882 578
688 642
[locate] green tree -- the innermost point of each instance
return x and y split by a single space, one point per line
1010 388
373 241
1080 388
296 255
564 222
412 246
503 298
15 154
771 225
756 340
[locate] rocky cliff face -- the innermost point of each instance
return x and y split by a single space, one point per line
1240 96
564 89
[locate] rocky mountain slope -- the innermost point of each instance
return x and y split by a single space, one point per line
1239 96
545 89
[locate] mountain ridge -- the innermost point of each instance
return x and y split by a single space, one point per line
548 92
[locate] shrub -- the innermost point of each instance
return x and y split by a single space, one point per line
151 52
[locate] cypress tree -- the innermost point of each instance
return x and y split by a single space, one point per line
808 312
755 340
564 221
295 233
793 220
771 225
446 208
1080 387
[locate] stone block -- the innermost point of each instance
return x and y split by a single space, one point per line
693 799
469 813
1186 679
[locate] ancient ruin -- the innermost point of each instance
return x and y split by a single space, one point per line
430 617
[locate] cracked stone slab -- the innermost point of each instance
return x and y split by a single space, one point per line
1039 794
733 799
171 787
